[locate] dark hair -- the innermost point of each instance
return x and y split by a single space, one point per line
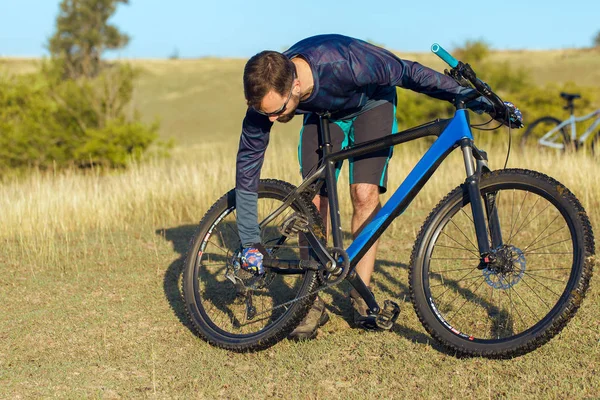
268 70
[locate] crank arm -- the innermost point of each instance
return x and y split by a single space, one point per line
320 251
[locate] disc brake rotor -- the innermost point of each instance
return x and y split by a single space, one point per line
508 270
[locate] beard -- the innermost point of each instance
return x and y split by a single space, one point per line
287 117
292 112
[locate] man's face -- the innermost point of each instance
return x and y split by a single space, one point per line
273 102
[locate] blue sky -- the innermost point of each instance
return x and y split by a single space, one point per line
241 28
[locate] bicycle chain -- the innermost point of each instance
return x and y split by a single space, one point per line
297 299
337 280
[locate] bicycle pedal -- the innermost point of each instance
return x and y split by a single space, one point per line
368 323
387 315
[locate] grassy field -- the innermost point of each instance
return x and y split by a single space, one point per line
90 264
91 304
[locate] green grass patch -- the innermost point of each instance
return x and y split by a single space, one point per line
106 320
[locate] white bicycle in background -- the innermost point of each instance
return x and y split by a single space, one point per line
552 132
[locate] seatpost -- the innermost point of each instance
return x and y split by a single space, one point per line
332 195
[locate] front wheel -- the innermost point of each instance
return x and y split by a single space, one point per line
232 308
543 264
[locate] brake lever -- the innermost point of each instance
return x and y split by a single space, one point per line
456 75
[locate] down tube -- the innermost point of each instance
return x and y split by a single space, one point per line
457 129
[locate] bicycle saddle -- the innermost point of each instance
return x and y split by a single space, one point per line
569 96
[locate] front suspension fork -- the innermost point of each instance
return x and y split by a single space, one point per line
478 208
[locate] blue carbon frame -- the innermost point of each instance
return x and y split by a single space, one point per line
457 130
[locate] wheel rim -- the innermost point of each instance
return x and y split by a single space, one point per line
519 294
221 303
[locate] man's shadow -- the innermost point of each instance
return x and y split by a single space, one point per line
181 237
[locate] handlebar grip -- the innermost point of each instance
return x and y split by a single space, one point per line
444 55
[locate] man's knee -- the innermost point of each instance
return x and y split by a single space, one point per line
364 195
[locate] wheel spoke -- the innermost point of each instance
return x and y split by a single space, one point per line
510 236
541 228
465 289
548 245
462 280
226 251
460 244
457 248
524 302
536 293
545 237
460 230
526 223
541 284
544 277
449 319
467 274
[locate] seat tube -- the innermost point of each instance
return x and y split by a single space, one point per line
472 183
330 181
573 128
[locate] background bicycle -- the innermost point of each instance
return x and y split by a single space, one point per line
551 132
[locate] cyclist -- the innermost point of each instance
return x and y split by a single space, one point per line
354 81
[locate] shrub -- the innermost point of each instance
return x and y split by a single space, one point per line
49 122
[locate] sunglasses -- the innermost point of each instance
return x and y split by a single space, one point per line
282 109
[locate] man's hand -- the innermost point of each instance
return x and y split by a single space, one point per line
514 119
252 260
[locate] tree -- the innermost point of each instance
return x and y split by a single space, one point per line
74 112
83 34
597 40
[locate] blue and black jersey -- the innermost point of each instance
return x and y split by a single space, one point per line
350 76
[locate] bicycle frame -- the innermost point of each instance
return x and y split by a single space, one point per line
550 138
452 133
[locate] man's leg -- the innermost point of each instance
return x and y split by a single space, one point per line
368 178
309 155
365 201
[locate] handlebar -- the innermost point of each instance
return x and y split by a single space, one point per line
461 71
444 55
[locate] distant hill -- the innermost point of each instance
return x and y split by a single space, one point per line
199 100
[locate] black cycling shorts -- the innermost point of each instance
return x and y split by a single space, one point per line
372 124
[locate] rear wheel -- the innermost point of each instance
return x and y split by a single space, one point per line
536 283
233 308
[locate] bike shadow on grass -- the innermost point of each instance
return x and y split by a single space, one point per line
388 285
180 238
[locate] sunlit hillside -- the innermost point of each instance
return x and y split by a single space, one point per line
201 100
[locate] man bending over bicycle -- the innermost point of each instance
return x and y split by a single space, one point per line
356 83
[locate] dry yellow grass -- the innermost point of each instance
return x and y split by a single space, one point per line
181 189
92 308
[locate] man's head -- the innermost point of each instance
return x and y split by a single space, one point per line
271 86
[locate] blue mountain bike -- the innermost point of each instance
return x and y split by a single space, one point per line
498 268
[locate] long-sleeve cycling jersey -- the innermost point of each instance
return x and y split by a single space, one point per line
350 76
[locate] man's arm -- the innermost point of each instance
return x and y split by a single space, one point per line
375 65
253 144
